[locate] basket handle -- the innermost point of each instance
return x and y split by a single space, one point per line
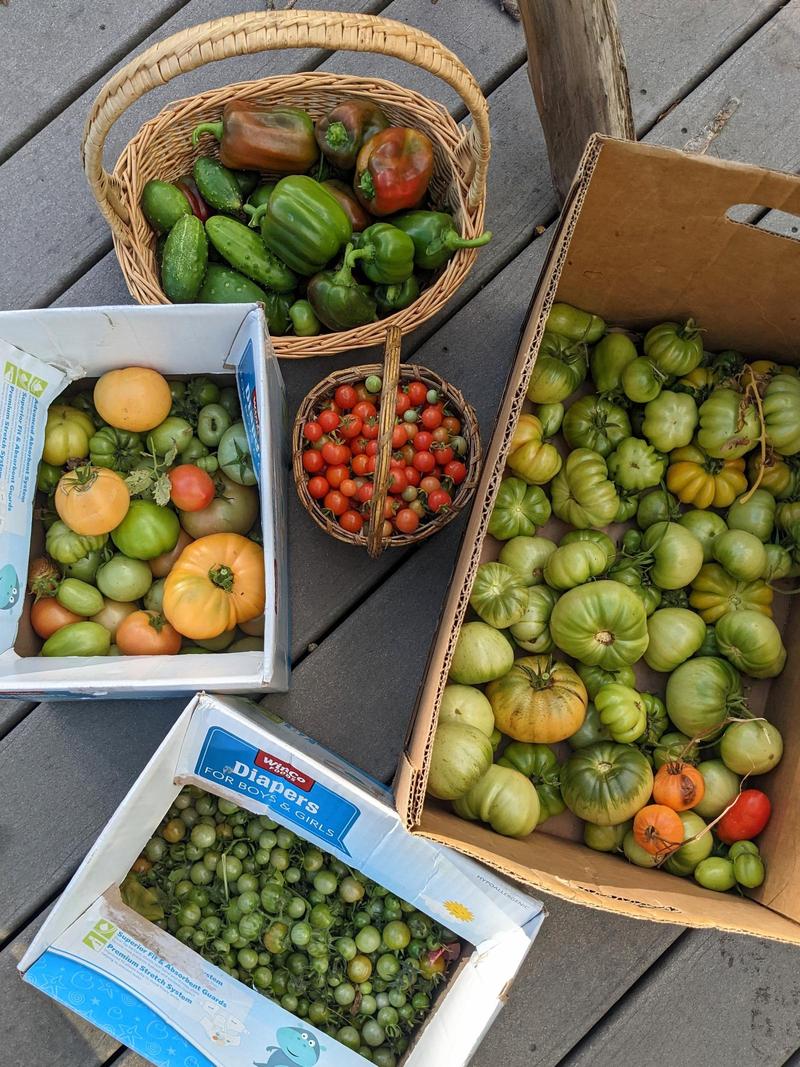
259 31
391 380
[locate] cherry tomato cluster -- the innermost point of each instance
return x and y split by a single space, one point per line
341 454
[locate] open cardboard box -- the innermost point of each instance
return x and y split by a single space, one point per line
646 235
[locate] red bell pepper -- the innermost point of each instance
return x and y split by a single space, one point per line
393 170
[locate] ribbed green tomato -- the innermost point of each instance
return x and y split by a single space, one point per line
460 756
595 677
594 422
532 631
575 324
721 788
498 595
787 513
741 554
729 424
636 465
538 700
550 416
602 624
684 860
755 515
752 642
715 593
606 783
518 509
674 746
657 719
754 747
573 564
669 420
559 369
641 381
581 492
622 711
605 838
782 414
674 348
609 358
675 635
590 730
526 556
677 554
597 537
539 763
657 505
530 457
779 563
706 526
701 694
503 798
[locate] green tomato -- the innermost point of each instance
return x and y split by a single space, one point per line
676 634
721 788
729 424
594 422
606 783
641 381
657 505
573 564
595 677
147 531
609 358
460 757
194 451
674 746
124 579
78 639
709 645
467 706
209 464
635 853
220 643
539 763
601 624
670 420
85 569
752 747
48 477
590 730
657 719
742 848
498 595
677 554
550 416
715 873
684 860
120 450
605 838
154 598
782 414
518 509
66 434
741 554
749 870
622 711
481 655
674 348
755 515
701 694
595 536
779 563
752 643
628 503
581 492
79 597
173 432
636 465
559 369
202 391
706 526
503 798
575 324
234 456
532 631
212 422
65 546
526 556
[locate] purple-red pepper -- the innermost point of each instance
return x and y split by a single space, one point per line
276 140
393 170
348 126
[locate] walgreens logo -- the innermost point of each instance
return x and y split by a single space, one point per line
281 769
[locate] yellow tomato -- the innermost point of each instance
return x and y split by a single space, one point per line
66 434
697 479
92 500
134 398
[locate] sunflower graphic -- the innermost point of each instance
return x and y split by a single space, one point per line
459 911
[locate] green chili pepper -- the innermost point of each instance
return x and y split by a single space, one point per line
435 237
304 319
386 254
392 298
339 300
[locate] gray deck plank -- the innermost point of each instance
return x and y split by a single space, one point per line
12 712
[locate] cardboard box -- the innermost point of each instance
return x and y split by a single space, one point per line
150 991
42 353
646 235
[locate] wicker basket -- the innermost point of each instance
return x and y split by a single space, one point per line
392 372
162 148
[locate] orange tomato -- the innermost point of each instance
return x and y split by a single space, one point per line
162 565
658 829
47 616
146 633
679 785
134 398
217 582
92 500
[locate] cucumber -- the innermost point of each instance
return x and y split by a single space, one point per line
163 204
223 285
183 265
217 185
247 253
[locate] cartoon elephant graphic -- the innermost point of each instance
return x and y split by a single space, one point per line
296 1048
9 587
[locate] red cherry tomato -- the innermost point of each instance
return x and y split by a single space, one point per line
365 492
406 520
390 508
346 397
364 410
441 436
746 819
192 489
360 464
312 431
336 502
313 461
417 393
348 487
370 428
456 471
431 417
423 441
399 436
403 403
336 475
443 454
407 452
328 420
397 480
335 454
412 430
318 487
397 461
350 427
424 461
372 448
372 463
452 425
351 521
430 484
359 445
439 499
413 477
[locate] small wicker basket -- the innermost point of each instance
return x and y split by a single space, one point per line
392 372
162 148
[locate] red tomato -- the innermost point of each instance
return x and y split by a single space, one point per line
328 420
424 461
452 424
313 461
146 633
365 492
439 499
348 487
336 502
397 480
318 487
372 448
417 392
350 426
413 476
372 463
443 455
362 392
407 452
431 417
364 410
390 508
746 819
359 445
406 520
346 397
336 475
403 403
360 464
335 454
191 489
399 436
456 471
370 428
430 484
351 521
441 436
312 431
47 616
423 441
397 461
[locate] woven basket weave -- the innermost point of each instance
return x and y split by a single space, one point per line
162 148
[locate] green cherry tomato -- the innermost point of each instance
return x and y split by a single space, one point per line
212 422
173 432
79 597
749 870
715 873
147 531
78 639
124 579
233 454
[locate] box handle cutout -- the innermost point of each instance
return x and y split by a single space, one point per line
775 221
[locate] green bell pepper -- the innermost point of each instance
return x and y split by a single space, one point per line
391 298
435 237
339 300
385 253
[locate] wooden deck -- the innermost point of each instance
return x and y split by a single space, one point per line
596 989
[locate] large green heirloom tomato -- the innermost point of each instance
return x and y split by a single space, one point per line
674 349
582 494
147 531
460 756
675 635
539 763
602 624
597 537
622 711
595 677
715 593
636 465
575 324
559 369
606 783
756 515
752 643
65 546
78 639
526 556
701 694
782 414
677 554
468 706
538 700
481 654
721 788
529 456
233 455
706 527
753 747
684 860
609 358
518 509
729 424
498 595
532 632
590 730
669 420
573 564
120 450
503 798
659 505
642 381
594 422
741 554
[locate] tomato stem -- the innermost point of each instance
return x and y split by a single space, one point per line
222 576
